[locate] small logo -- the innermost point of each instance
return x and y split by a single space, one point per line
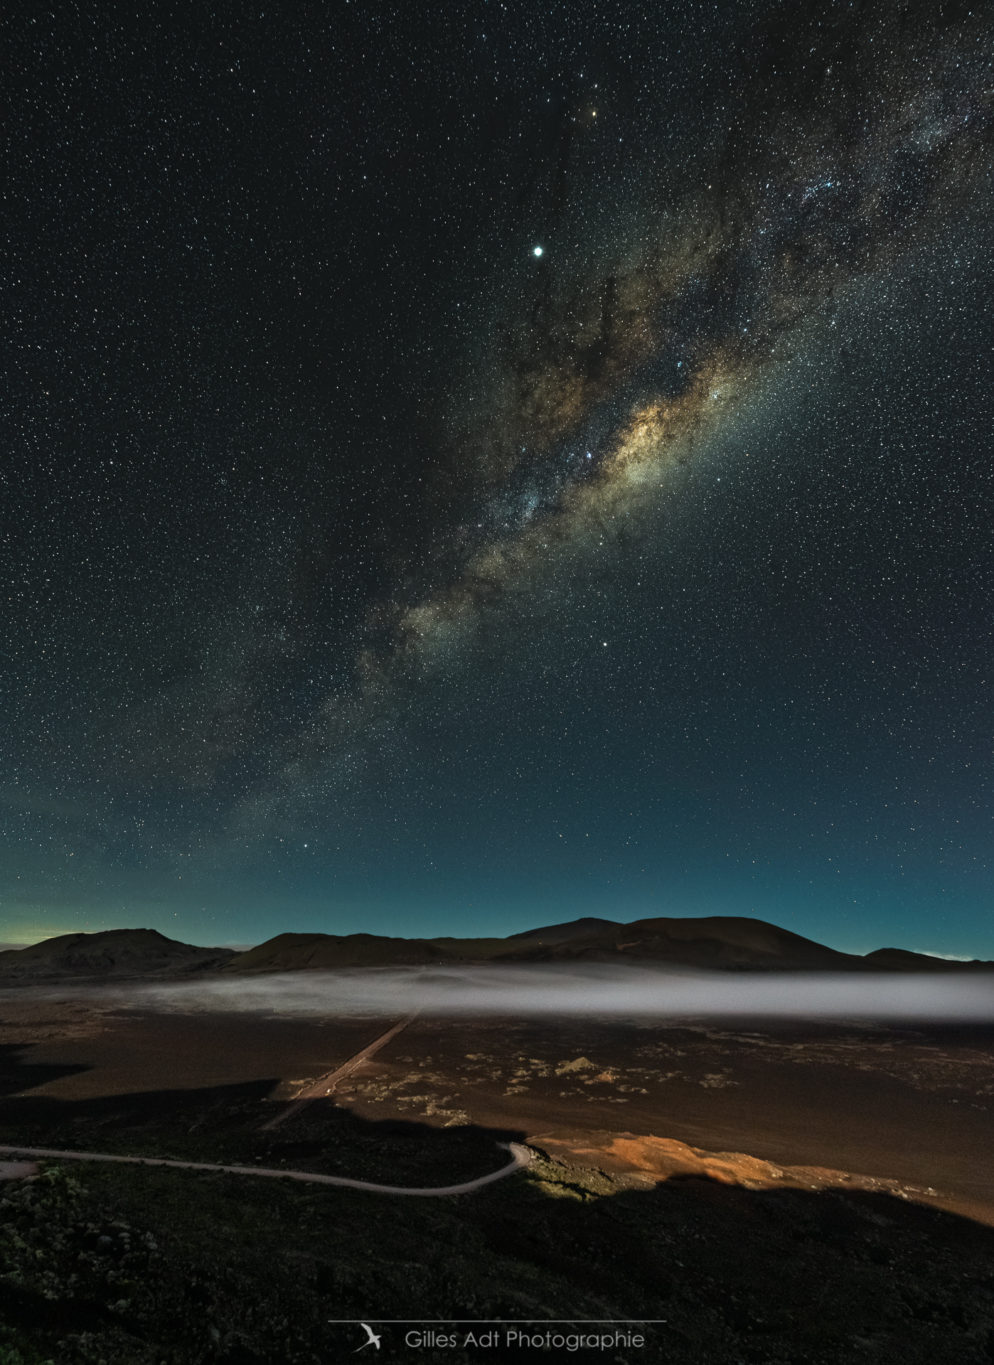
371 1338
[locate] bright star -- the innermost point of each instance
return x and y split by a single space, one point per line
537 250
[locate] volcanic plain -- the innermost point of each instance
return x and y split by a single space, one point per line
851 1156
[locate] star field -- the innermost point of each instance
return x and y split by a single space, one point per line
477 467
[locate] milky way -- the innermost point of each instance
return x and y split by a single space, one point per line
471 465
841 144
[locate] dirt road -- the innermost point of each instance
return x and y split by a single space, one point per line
324 1085
520 1157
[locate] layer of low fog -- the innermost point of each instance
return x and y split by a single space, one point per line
587 989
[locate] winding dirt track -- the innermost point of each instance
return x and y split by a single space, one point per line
520 1157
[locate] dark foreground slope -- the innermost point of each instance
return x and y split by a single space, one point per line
134 1266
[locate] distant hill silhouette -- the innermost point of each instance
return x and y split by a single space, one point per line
713 942
717 942
290 952
573 929
108 954
900 959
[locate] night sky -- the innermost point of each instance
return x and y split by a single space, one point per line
469 466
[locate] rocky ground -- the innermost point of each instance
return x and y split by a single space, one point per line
681 1176
137 1266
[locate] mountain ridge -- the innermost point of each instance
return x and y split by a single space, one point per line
108 953
727 943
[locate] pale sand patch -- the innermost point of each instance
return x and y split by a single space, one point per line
647 1160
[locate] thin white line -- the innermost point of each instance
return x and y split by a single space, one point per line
520 1157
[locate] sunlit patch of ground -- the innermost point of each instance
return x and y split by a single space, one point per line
649 1159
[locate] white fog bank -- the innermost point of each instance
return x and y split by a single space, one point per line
586 989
